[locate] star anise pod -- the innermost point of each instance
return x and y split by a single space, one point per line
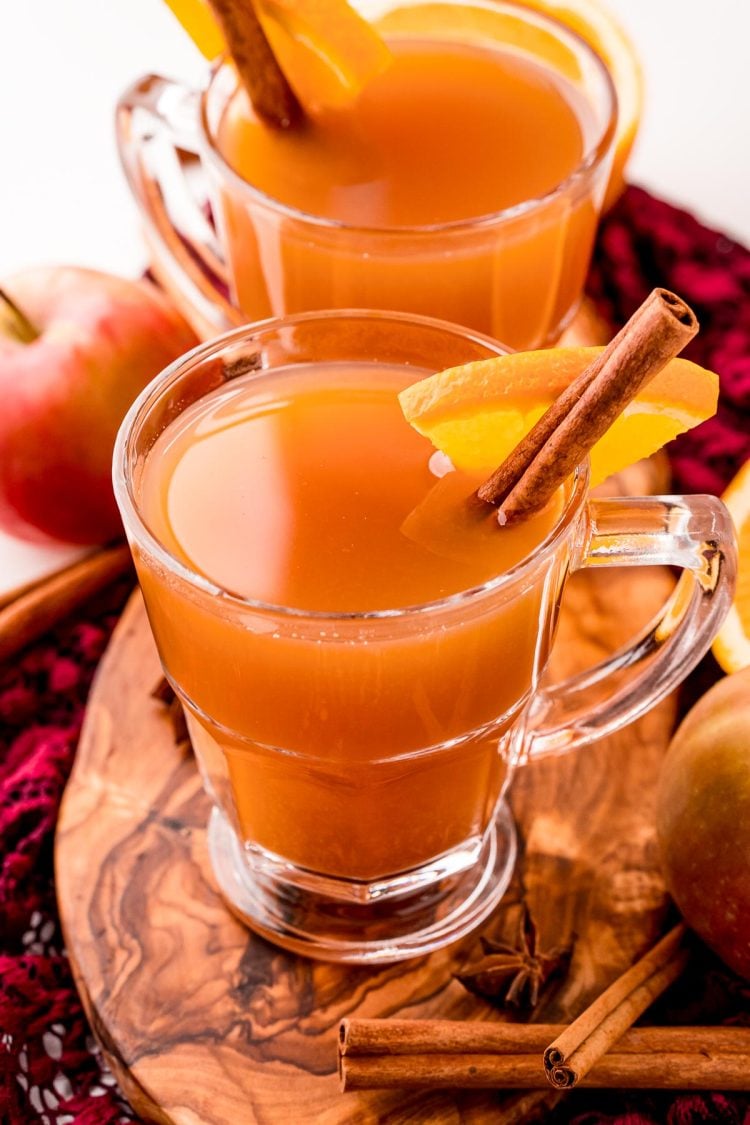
515 976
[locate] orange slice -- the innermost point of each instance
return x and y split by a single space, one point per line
327 51
477 413
732 645
588 18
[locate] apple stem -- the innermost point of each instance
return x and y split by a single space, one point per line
14 323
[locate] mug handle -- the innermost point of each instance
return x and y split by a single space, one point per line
694 533
156 124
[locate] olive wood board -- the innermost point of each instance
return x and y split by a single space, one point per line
206 1024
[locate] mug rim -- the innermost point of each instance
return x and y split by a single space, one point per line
138 530
589 162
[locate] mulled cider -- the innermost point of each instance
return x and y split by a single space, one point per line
356 640
341 742
464 182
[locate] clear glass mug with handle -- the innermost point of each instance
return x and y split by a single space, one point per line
517 274
372 834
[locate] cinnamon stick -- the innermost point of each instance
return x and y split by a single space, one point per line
542 461
34 613
367 1038
648 1069
262 77
572 1054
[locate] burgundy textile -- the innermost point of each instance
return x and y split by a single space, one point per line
50 1069
645 242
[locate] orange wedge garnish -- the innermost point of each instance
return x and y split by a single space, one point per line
327 51
732 645
476 414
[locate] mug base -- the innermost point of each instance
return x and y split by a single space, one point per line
321 924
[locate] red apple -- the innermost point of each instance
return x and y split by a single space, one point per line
703 819
76 347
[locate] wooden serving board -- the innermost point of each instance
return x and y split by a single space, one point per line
206 1024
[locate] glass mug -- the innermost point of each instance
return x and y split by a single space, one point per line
342 826
517 274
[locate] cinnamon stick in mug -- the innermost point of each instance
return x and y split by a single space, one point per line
265 82
529 476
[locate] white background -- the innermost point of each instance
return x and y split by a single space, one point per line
64 62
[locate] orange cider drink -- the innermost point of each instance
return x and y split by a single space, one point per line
452 133
463 181
297 492
352 653
358 647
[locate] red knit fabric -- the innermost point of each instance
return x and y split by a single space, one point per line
50 1069
645 242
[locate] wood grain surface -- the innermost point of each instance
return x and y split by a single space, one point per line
206 1024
